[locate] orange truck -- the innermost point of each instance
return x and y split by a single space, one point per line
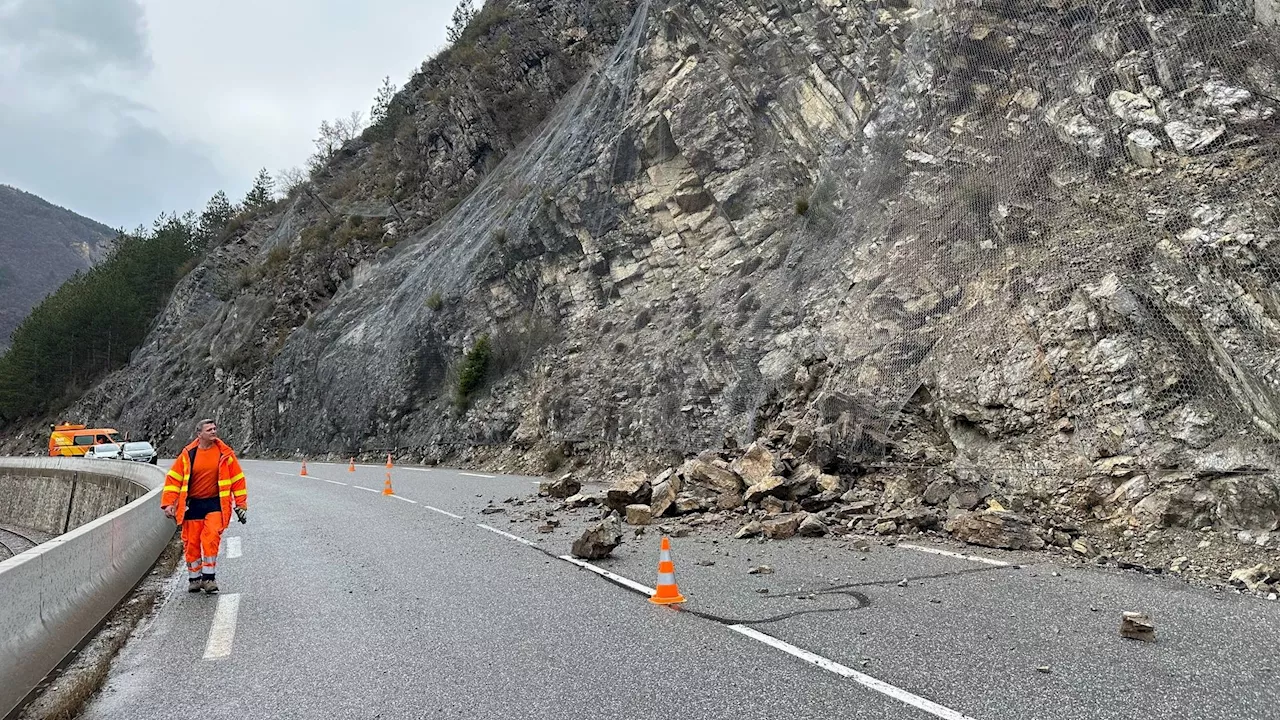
67 440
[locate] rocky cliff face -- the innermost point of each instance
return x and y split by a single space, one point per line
952 252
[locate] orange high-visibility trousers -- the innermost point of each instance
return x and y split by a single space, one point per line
200 541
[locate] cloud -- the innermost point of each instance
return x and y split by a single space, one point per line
56 37
123 109
70 130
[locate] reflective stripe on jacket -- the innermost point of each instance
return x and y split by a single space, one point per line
231 486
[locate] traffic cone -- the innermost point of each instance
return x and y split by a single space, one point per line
388 459
386 489
667 593
352 466
304 469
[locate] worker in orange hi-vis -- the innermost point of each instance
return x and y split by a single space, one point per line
203 485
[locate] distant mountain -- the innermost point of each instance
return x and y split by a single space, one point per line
41 245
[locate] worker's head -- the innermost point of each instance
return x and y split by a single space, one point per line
206 431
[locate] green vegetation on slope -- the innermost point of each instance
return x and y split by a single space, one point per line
91 324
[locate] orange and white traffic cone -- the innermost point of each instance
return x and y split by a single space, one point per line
667 592
386 489
351 467
388 459
304 469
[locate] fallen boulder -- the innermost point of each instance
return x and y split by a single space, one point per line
664 494
756 464
781 527
631 490
1137 626
995 529
599 540
772 486
639 515
721 480
563 487
811 526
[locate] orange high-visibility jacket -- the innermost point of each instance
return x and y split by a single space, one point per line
230 481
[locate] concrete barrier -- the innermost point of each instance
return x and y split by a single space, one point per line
54 595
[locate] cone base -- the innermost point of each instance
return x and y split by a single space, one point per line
387 492
667 600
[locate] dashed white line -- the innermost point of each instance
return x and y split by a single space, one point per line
286 474
605 573
416 469
361 487
863 679
415 502
948 553
223 631
443 512
233 547
517 538
478 475
333 482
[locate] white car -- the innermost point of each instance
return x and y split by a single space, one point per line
139 452
104 451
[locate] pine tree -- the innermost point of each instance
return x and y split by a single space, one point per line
461 18
382 102
262 193
214 219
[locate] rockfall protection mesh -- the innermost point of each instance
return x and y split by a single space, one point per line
1055 224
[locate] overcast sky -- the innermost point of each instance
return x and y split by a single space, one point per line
123 109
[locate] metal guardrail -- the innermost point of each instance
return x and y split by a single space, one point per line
53 595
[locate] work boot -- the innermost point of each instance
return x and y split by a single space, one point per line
195 585
211 586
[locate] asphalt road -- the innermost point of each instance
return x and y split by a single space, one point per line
353 604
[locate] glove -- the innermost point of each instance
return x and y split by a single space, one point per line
242 515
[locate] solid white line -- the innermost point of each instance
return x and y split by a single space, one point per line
863 679
948 553
477 475
416 469
517 538
443 512
415 502
223 630
233 547
612 576
286 474
361 487
333 482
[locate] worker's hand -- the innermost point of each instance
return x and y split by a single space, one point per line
242 515
170 511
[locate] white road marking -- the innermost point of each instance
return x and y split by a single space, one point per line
948 553
443 512
415 502
233 547
333 482
361 487
478 475
416 469
517 538
223 630
612 576
863 679
285 474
